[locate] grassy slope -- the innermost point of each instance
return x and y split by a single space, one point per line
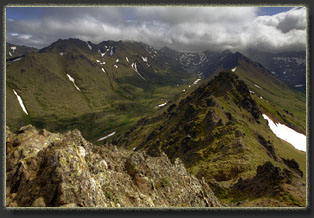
226 157
278 96
107 102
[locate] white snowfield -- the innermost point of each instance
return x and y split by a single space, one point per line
73 81
234 69
107 136
298 140
20 102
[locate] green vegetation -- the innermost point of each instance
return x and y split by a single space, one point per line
106 102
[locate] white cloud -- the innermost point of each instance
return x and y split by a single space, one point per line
182 28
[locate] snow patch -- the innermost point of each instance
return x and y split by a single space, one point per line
13 48
111 51
161 105
257 86
126 58
61 53
90 47
196 81
298 140
115 66
73 81
103 63
98 61
144 59
20 102
234 69
299 85
10 54
103 70
102 54
183 90
117 60
107 136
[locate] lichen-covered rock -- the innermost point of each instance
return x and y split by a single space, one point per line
64 170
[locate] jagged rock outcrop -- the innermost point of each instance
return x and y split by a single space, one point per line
273 182
51 169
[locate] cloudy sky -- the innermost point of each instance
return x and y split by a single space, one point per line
182 28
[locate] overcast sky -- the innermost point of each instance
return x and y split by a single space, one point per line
181 28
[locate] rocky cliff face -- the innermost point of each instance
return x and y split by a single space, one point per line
64 170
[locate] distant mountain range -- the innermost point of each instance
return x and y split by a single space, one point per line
289 67
206 108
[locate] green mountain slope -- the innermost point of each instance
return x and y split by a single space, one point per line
107 93
219 133
274 97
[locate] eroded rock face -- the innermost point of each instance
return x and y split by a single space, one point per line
50 170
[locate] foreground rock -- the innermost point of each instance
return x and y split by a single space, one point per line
64 170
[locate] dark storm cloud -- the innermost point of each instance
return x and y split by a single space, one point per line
181 28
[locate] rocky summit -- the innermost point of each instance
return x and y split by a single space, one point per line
64 170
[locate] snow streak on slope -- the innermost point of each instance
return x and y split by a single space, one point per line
133 65
298 140
20 102
257 86
161 105
111 134
196 81
90 47
72 80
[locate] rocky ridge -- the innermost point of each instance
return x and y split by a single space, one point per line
64 170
